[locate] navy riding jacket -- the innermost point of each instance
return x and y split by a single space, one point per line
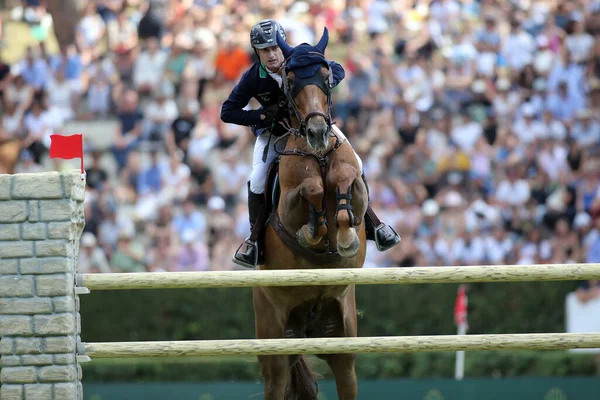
257 83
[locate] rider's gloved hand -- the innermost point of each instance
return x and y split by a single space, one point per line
269 113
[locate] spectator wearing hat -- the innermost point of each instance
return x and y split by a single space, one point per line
505 101
553 129
430 224
130 255
192 254
586 130
527 128
91 257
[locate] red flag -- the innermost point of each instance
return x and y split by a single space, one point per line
460 307
67 147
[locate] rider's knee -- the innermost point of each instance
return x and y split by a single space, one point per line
257 186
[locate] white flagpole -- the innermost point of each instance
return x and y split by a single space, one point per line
459 368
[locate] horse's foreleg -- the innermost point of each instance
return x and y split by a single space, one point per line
309 191
351 199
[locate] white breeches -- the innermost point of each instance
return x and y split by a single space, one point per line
260 168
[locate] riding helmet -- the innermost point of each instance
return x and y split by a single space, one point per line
263 34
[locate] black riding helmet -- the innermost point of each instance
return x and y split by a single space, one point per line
264 34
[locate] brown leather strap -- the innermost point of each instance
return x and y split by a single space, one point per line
371 215
290 241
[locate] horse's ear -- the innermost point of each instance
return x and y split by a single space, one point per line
323 41
286 49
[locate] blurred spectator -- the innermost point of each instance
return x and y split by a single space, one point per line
129 255
150 187
91 257
35 70
17 92
129 129
149 67
182 128
478 124
37 131
231 59
95 174
588 290
160 114
190 220
27 164
90 32
60 99
192 255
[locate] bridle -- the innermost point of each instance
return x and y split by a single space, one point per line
290 94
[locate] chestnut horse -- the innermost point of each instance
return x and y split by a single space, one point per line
316 223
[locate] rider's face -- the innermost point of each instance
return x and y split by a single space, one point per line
271 57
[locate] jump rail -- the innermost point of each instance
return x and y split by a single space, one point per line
414 275
386 344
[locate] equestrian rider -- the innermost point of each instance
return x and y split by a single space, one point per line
263 82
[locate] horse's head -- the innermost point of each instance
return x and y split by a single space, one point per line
307 86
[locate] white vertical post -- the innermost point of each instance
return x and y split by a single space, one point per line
459 369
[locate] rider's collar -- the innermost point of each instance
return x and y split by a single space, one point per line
264 72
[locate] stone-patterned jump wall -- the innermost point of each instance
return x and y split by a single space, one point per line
41 221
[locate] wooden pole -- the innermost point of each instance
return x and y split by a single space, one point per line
317 277
388 344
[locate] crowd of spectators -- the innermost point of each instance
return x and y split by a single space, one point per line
478 123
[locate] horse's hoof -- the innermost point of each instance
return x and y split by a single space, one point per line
301 238
351 250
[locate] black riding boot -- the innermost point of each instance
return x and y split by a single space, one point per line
252 255
385 236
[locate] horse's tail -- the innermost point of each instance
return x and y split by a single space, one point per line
303 383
